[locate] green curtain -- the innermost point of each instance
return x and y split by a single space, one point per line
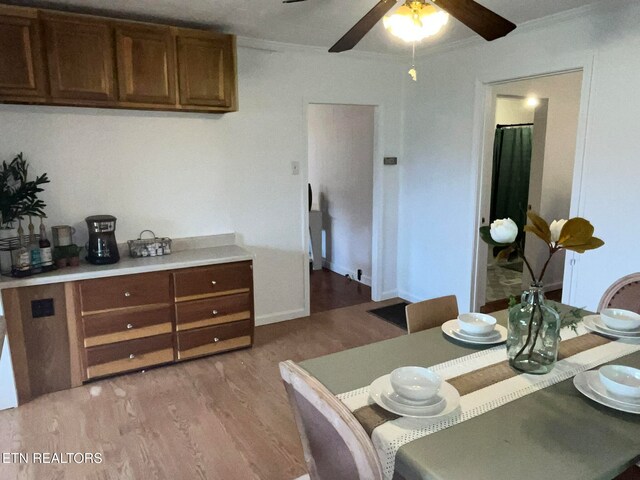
511 171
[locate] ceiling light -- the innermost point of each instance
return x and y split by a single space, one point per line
415 20
532 101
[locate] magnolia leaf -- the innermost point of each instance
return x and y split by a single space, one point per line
577 231
592 244
539 227
506 252
485 235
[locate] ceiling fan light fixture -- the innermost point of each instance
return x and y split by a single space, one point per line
415 20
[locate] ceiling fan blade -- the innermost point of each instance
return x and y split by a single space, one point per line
360 29
481 20
292 1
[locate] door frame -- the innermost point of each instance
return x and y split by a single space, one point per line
377 237
484 113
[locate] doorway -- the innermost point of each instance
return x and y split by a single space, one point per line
528 165
341 151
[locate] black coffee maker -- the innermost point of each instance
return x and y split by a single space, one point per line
102 247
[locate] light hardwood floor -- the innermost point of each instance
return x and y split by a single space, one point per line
224 417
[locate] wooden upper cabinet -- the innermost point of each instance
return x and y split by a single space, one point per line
80 58
146 64
206 69
57 58
21 67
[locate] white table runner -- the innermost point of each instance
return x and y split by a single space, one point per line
390 436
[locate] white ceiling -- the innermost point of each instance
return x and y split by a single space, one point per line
312 22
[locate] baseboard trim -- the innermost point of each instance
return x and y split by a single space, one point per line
553 286
366 279
409 296
389 294
279 317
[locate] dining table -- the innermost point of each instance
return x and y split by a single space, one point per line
552 432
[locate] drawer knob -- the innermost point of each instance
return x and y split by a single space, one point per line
127 294
213 282
129 326
215 312
132 356
216 339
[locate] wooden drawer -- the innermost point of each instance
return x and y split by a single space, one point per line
208 340
214 281
130 355
118 326
106 294
213 311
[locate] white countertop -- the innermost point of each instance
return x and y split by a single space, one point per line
129 266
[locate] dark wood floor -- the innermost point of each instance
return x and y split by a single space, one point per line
330 290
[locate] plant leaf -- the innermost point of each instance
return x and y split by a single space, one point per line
592 244
538 227
577 231
485 235
504 254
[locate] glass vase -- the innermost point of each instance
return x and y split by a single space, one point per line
533 333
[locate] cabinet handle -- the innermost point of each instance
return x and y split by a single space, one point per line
127 294
213 282
129 326
132 356
216 339
215 312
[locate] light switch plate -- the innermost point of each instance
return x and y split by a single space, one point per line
295 168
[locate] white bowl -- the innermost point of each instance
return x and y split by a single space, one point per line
621 380
415 383
476 323
619 319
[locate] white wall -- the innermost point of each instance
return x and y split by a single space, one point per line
183 174
510 111
341 142
562 93
438 217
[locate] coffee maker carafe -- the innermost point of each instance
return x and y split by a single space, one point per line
102 247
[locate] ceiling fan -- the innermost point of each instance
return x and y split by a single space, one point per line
481 20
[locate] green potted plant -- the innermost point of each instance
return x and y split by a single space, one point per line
18 198
18 194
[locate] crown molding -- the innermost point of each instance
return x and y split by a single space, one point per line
523 28
271 46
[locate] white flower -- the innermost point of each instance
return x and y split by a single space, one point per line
556 229
504 231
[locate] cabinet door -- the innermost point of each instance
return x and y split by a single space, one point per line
206 69
146 64
80 58
21 67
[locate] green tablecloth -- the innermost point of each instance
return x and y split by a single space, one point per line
555 433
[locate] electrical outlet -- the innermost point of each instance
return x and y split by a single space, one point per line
295 168
42 308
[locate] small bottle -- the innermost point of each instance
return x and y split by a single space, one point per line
23 259
46 257
34 249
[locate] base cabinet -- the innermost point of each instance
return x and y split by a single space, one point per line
139 321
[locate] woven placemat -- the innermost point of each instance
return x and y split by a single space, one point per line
373 415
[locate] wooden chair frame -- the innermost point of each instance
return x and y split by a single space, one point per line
354 436
431 313
615 288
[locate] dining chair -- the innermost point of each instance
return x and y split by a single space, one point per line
624 293
335 445
431 313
